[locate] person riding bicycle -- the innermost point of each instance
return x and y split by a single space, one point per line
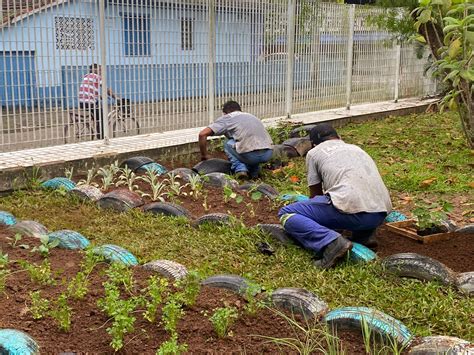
89 96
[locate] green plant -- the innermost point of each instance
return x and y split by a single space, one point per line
121 275
107 174
156 288
69 172
189 288
171 347
222 320
46 245
39 306
157 186
174 187
196 186
230 194
39 273
3 259
431 215
33 179
127 178
172 313
79 285
61 312
253 304
91 174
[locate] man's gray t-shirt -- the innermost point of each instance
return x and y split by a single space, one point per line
350 177
247 130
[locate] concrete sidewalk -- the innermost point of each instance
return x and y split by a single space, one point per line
15 164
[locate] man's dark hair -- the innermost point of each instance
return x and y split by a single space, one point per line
231 106
92 67
322 132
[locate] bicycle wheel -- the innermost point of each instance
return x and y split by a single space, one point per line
124 126
77 131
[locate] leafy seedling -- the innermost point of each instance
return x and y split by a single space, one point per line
222 320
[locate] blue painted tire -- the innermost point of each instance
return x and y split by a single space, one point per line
16 342
114 253
395 216
360 253
378 322
158 169
69 239
59 182
7 219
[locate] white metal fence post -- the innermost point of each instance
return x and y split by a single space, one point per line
211 58
397 71
350 57
103 63
290 47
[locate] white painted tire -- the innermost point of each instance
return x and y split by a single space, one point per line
436 345
29 228
299 301
167 268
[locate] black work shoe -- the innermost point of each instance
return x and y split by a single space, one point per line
369 241
334 251
242 175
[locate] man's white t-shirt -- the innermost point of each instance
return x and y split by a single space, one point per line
349 176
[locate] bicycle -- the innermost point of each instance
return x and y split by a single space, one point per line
82 125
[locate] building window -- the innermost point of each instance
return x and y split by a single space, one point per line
187 43
136 34
74 33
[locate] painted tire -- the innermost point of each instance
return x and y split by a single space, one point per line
378 322
59 182
16 342
69 239
7 219
265 189
220 219
158 169
465 282
213 166
360 253
298 132
419 267
293 197
167 209
395 216
29 228
233 283
120 200
466 229
281 151
301 145
219 180
299 301
277 232
167 268
135 163
114 253
183 173
436 345
87 192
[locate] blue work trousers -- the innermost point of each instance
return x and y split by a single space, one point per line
248 162
313 222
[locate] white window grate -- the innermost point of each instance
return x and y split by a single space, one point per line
74 33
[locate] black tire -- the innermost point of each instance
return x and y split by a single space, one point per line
301 145
302 131
120 200
220 219
14 342
213 166
136 163
466 229
167 209
277 232
124 126
220 180
465 282
78 131
29 228
378 322
281 151
436 345
167 268
115 253
87 192
419 267
183 173
300 301
265 189
233 283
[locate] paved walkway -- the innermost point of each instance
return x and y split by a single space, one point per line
95 149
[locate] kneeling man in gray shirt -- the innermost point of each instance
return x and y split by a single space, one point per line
248 143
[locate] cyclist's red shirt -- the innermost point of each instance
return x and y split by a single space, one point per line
89 91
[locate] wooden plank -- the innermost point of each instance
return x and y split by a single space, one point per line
407 229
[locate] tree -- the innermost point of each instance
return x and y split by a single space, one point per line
446 27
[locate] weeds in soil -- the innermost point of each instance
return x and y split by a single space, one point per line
155 290
189 288
45 246
222 320
61 312
33 179
17 238
172 313
171 347
69 172
375 344
254 304
39 273
79 285
39 306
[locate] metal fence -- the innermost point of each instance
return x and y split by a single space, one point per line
176 62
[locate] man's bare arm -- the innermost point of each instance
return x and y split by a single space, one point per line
315 190
206 132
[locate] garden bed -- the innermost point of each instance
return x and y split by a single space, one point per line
89 324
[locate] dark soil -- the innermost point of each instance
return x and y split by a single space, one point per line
88 329
456 253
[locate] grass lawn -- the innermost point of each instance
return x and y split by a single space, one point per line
420 157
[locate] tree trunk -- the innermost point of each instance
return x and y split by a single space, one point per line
466 113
